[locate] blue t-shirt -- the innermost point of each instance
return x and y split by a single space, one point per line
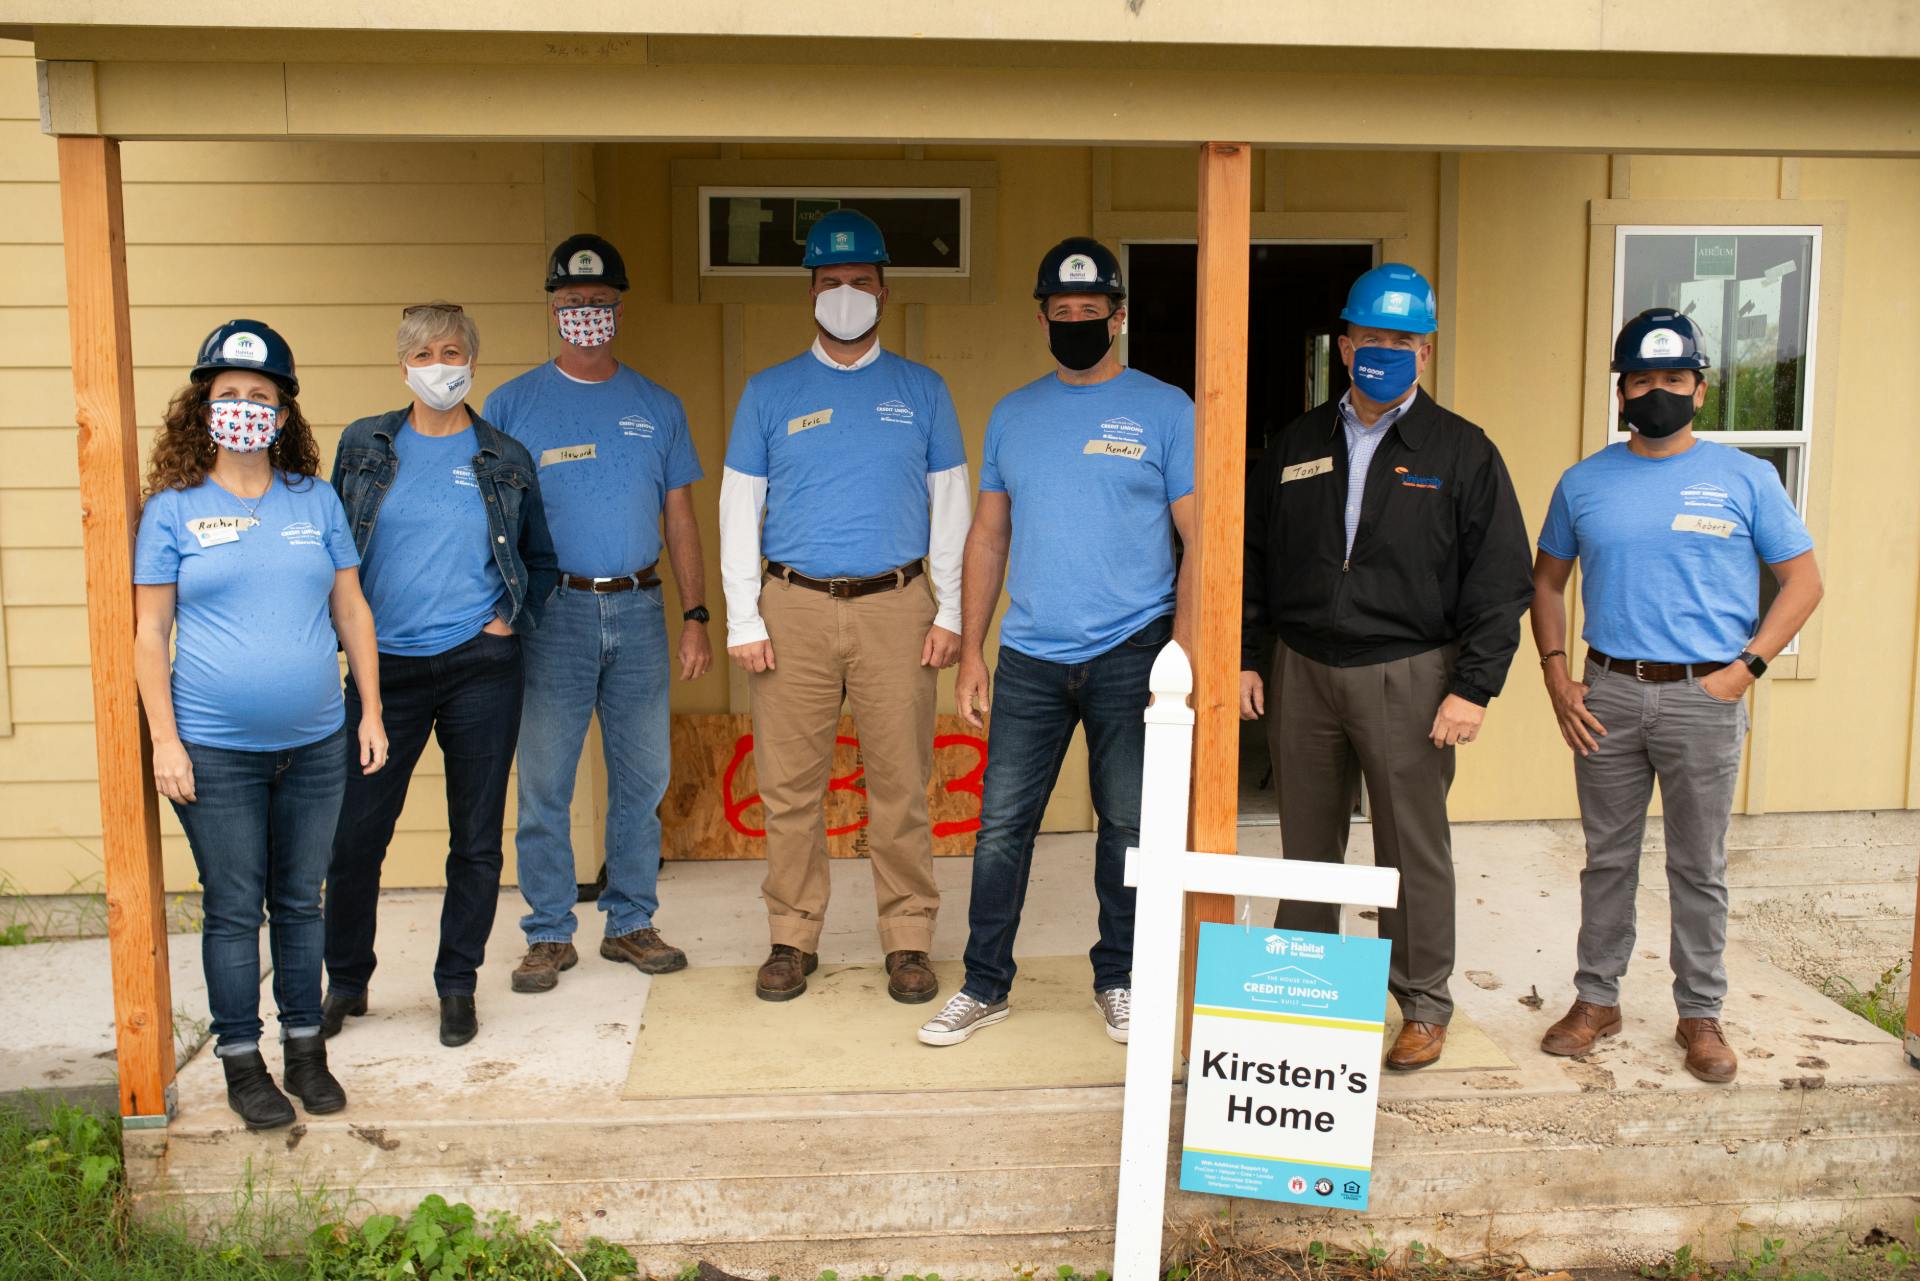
255 666
430 574
846 454
1670 548
608 452
1090 472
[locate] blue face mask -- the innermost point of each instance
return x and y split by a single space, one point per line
1384 373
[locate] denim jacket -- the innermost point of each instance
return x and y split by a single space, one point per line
363 472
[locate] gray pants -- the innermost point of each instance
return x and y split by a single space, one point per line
1690 741
1328 727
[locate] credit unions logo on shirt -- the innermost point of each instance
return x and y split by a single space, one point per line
635 425
301 534
1704 494
894 411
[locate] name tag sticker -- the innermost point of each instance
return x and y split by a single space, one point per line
818 418
567 454
211 531
1116 449
1300 471
1688 523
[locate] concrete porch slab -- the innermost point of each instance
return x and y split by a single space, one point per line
1598 1161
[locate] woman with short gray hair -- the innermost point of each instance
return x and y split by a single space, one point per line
456 558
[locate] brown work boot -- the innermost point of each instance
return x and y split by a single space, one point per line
910 977
646 951
1580 1027
783 975
1417 1046
539 970
1709 1057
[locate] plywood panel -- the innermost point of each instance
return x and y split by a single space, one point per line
308 214
712 808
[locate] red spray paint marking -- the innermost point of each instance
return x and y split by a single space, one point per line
736 808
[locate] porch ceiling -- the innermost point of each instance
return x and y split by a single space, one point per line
215 84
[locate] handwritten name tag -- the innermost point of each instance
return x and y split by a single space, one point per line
1300 471
1688 523
568 454
211 531
818 418
1116 448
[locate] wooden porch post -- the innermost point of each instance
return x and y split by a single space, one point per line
1219 468
95 233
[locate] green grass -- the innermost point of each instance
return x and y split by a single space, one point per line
65 1213
1880 1004
1878 1257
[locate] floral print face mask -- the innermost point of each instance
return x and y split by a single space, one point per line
586 326
243 426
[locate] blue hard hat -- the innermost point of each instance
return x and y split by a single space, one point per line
248 344
1658 338
1079 265
845 235
1392 296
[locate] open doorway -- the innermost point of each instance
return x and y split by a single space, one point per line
1295 292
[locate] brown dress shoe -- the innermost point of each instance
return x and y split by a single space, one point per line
539 970
1417 1046
910 977
1709 1057
1580 1027
783 975
646 951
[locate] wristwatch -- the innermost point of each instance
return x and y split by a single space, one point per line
699 614
1755 664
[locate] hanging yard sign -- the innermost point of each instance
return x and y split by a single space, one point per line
1284 1070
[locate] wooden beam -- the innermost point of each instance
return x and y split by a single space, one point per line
1220 481
96 250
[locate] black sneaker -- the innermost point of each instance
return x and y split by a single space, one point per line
252 1093
458 1022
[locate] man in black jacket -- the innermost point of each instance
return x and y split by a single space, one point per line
1386 551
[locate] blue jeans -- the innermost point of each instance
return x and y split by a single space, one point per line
260 828
468 698
606 654
1036 705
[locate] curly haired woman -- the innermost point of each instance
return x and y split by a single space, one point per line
248 552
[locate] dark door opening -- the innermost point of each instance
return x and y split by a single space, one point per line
1294 298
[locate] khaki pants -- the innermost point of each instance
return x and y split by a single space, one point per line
868 651
1330 726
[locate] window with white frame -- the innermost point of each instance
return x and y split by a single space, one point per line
1753 293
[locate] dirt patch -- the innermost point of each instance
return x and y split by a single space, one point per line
1485 980
1590 1076
1532 999
294 1136
489 1070
373 1136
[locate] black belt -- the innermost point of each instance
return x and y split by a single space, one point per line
848 588
1653 673
638 580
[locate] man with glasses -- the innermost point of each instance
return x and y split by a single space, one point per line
614 455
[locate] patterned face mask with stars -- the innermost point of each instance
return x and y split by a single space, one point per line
243 426
586 326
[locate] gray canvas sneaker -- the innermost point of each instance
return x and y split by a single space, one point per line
962 1017
1116 1007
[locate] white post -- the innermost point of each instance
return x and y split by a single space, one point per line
1165 777
1162 870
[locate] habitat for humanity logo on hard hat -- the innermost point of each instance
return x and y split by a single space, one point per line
842 242
244 346
1661 344
587 263
1078 269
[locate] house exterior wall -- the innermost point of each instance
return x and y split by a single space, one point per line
327 239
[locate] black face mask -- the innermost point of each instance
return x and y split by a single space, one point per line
1079 344
1656 413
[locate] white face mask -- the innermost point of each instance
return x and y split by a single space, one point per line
845 312
440 386
590 326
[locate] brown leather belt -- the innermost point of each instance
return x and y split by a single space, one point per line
1653 673
848 588
638 580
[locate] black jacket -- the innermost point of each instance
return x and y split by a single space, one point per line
1441 556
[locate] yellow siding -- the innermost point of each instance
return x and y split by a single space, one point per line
324 241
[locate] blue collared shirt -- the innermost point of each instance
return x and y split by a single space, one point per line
1361 442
